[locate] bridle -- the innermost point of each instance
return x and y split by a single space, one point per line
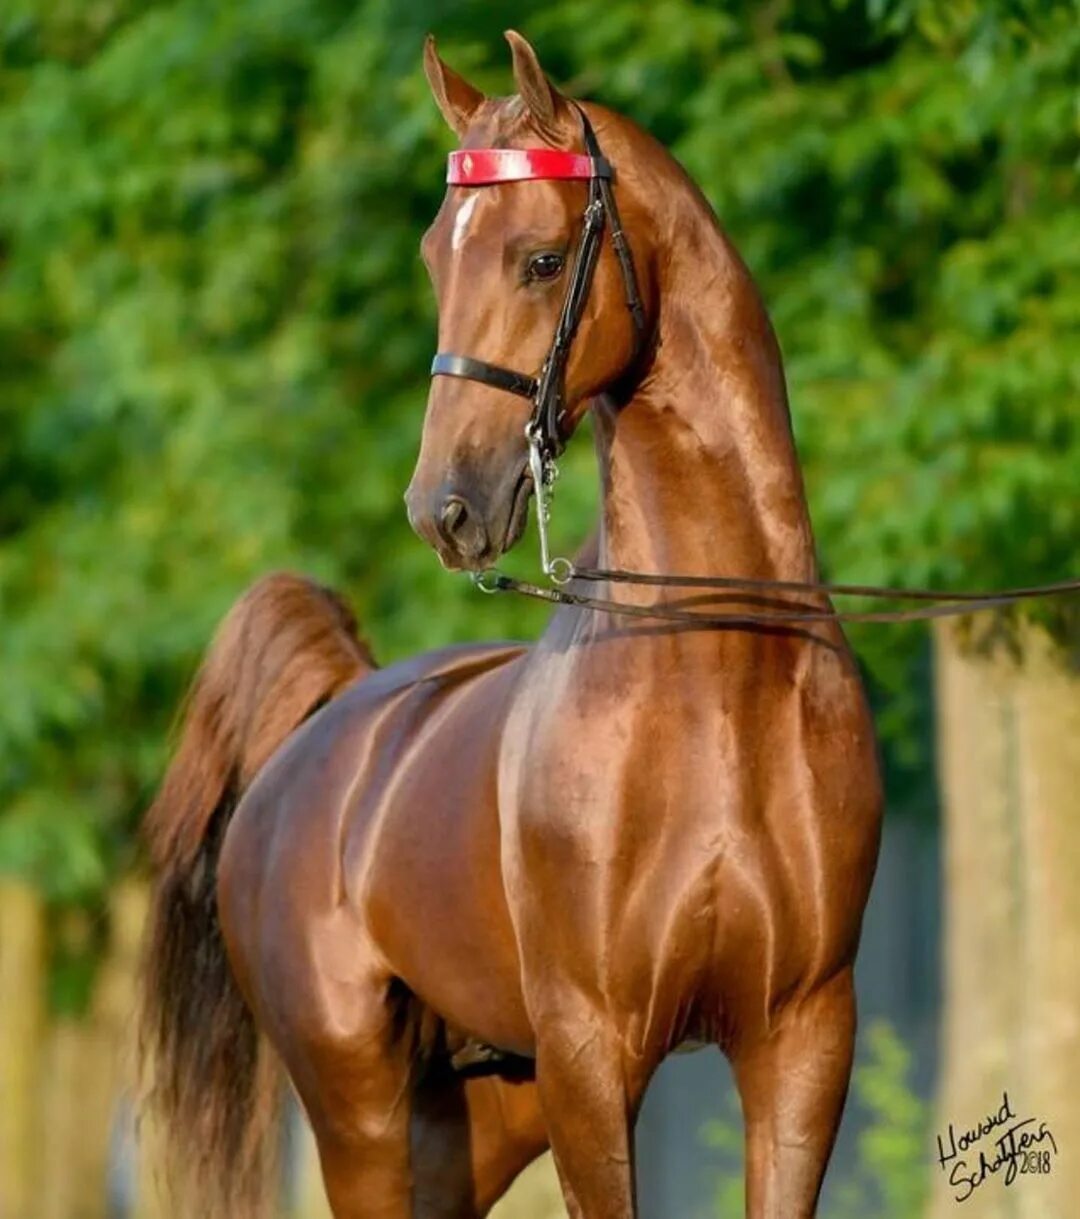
759 604
547 389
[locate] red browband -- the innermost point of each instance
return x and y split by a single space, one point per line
484 166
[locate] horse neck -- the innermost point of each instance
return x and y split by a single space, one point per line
698 469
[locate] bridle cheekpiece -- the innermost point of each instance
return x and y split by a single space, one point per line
546 389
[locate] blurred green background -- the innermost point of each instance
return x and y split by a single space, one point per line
215 332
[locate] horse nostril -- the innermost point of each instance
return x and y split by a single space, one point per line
455 513
462 528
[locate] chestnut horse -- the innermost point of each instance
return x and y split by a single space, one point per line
566 859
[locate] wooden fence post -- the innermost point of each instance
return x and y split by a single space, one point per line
979 780
1048 973
22 1005
1009 768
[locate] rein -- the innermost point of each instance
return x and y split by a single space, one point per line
938 603
543 432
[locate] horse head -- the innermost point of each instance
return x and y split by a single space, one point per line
504 256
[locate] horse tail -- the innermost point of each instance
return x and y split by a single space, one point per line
286 647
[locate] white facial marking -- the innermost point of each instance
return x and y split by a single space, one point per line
461 221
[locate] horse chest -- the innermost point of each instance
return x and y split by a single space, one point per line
685 838
630 733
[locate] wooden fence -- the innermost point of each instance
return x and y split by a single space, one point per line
68 1147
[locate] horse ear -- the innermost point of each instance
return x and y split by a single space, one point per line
543 101
455 97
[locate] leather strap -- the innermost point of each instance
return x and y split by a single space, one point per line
631 288
487 166
617 575
781 614
447 365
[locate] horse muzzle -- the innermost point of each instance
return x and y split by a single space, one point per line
465 532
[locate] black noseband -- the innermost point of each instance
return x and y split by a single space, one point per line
446 365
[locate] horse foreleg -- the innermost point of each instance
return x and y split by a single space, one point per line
792 1084
590 1089
470 1139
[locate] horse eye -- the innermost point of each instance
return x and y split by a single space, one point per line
544 266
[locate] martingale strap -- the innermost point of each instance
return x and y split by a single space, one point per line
490 166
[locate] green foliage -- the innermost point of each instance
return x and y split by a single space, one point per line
214 326
724 1137
890 1175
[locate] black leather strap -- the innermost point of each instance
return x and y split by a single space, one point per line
780 613
618 237
548 402
447 365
